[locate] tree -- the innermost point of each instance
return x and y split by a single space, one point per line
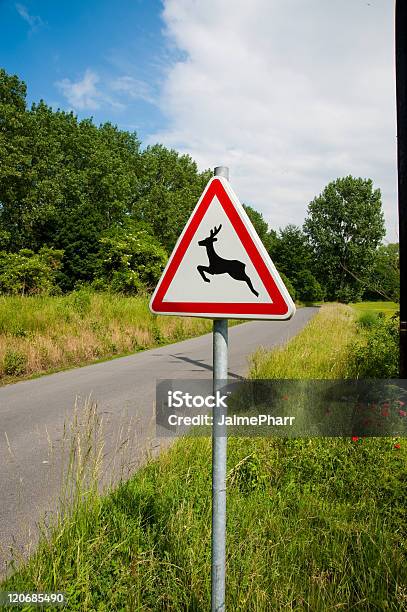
344 226
131 259
384 281
168 191
14 152
266 235
293 256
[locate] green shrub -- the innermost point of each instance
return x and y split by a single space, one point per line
348 293
29 273
14 363
307 287
248 474
368 319
132 259
80 301
376 355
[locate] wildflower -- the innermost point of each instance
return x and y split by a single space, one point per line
402 413
385 413
397 445
355 438
400 403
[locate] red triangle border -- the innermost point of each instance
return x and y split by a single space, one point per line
278 306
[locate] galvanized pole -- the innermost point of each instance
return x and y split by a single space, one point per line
401 94
219 451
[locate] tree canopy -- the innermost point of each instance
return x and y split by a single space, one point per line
85 204
344 226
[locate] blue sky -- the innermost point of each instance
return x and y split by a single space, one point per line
115 50
289 94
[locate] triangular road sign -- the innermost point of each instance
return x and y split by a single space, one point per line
219 268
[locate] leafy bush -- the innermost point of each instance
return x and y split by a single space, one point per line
376 355
29 273
289 285
349 293
368 319
307 287
132 259
14 363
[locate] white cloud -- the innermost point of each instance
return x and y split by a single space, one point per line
289 94
82 94
91 93
133 88
34 21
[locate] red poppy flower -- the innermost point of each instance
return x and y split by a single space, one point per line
385 413
397 445
355 438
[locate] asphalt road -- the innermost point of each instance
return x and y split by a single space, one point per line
35 418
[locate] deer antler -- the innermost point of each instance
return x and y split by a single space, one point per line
216 230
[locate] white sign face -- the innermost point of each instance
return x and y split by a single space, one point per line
219 267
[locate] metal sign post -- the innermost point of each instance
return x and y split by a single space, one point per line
219 453
234 279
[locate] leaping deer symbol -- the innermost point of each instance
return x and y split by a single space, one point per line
218 265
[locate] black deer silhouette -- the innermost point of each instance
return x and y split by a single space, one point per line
218 265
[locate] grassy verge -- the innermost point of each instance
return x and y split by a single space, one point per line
319 351
312 524
388 308
39 334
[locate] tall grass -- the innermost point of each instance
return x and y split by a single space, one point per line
312 524
38 334
320 351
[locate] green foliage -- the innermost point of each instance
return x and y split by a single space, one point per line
290 288
368 319
14 363
345 225
68 183
14 152
131 259
248 475
376 354
79 301
384 279
28 273
78 188
292 255
266 235
169 188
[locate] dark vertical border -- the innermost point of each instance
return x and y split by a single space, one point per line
401 94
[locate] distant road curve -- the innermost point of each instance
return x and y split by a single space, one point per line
33 412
